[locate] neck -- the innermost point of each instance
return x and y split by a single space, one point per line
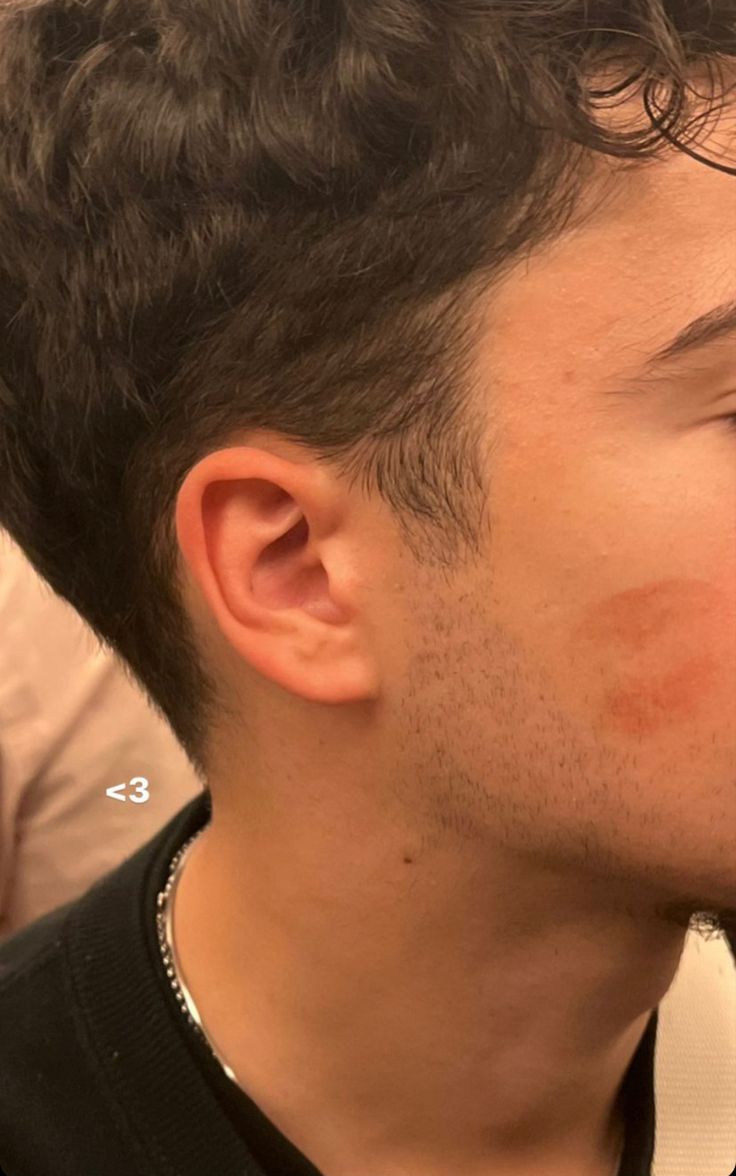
457 1011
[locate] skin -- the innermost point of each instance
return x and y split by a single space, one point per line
460 821
666 692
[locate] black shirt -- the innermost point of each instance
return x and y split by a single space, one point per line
101 1074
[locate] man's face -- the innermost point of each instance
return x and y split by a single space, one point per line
575 690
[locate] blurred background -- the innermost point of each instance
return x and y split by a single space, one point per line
72 725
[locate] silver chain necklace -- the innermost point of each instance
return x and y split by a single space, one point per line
164 925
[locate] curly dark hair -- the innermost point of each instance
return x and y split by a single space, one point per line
225 215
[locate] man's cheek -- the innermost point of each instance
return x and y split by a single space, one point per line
667 653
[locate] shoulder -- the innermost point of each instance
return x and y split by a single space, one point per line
37 1030
33 951
52 1099
34 1007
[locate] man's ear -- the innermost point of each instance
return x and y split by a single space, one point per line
266 541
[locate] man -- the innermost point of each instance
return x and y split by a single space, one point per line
373 393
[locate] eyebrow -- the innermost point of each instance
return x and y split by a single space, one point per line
715 324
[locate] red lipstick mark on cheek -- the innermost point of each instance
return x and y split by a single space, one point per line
657 651
638 707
